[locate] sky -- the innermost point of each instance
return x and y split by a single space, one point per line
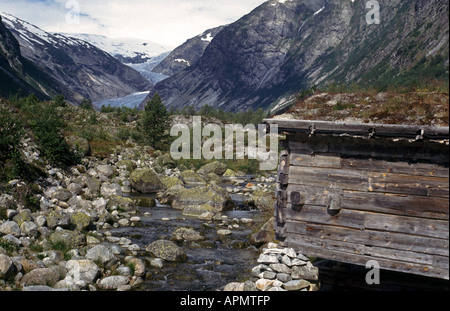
167 22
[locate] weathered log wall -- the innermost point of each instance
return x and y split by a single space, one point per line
354 199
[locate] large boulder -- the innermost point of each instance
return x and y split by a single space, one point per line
6 267
58 219
102 254
82 271
166 250
10 227
146 181
81 221
105 170
212 195
191 177
108 190
72 239
41 276
215 167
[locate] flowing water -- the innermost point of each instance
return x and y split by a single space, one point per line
212 263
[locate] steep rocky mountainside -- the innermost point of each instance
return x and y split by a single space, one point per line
82 70
17 73
284 46
187 54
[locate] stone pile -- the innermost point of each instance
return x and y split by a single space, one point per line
280 269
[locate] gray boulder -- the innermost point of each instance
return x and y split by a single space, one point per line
6 267
113 282
41 276
58 219
146 181
215 167
167 250
10 227
102 254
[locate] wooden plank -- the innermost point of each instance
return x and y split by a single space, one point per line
329 178
312 195
388 240
399 167
410 225
391 130
375 221
317 160
407 205
301 246
319 215
405 184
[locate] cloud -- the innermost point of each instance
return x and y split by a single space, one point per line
168 22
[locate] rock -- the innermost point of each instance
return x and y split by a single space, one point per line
139 266
113 282
23 216
187 234
215 167
264 235
10 227
82 271
118 202
257 270
58 219
81 221
29 265
29 228
306 272
108 190
75 188
224 232
265 284
72 239
146 181
93 185
169 182
62 195
167 250
157 263
212 195
41 276
229 173
105 170
102 255
124 222
6 267
145 202
6 203
264 201
12 239
268 259
296 285
284 277
191 177
280 268
127 165
234 287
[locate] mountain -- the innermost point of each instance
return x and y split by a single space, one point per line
284 46
19 74
128 51
187 54
81 69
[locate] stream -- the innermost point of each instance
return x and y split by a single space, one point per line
213 262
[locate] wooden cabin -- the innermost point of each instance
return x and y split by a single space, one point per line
354 192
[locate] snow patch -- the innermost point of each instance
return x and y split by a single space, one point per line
208 38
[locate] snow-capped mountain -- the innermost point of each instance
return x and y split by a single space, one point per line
81 69
126 50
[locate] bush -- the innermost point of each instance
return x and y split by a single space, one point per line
11 163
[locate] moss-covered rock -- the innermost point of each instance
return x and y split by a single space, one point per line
23 217
191 177
215 167
169 182
167 250
79 145
264 201
58 219
229 173
80 221
121 203
126 164
211 194
145 202
72 239
146 181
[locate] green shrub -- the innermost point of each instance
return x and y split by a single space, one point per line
11 132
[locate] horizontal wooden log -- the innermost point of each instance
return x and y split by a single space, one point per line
329 178
327 160
388 240
382 149
406 205
389 130
372 221
322 252
398 167
405 184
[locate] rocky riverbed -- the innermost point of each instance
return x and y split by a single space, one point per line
134 221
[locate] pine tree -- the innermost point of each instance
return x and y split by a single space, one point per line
155 122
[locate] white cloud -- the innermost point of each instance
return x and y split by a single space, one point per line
168 22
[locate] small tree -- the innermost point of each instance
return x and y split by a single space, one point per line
155 122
